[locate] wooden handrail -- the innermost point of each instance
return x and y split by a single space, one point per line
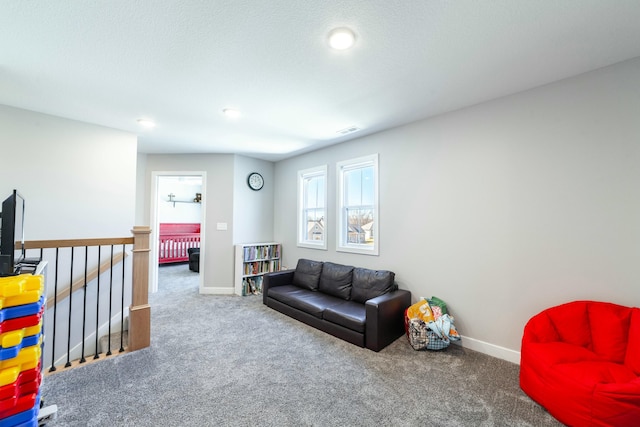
79 284
49 244
72 243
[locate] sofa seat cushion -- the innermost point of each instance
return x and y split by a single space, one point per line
553 353
336 280
310 302
590 373
351 315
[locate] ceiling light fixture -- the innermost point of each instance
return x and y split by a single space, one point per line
341 38
146 123
231 113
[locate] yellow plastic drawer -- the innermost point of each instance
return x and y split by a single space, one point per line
28 358
20 290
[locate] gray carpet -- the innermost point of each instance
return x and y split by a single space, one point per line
231 361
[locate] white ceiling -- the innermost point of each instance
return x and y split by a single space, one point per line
181 62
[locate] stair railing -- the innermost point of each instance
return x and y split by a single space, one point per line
92 291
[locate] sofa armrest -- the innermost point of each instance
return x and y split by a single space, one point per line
385 318
277 278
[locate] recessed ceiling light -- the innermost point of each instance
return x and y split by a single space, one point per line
341 38
232 113
146 123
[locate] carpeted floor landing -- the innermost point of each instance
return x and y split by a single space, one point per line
231 361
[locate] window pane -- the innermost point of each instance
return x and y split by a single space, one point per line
368 186
315 224
352 187
314 192
359 186
358 228
312 201
360 225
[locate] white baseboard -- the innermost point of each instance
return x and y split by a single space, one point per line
216 290
490 349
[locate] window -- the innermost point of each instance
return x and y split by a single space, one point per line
358 205
312 202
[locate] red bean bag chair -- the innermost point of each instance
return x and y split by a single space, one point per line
581 362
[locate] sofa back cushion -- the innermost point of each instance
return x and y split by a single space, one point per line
369 284
571 323
540 329
603 328
307 274
632 358
609 324
336 280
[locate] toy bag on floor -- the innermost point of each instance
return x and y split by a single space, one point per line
429 326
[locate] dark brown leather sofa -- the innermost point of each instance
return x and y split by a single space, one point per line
359 305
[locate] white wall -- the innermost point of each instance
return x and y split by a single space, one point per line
78 179
182 209
142 202
252 210
505 208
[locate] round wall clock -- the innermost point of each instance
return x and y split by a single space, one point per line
255 181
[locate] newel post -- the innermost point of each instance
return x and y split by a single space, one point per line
140 311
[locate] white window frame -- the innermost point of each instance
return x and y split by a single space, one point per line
303 241
342 243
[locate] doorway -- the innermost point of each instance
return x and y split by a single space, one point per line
178 199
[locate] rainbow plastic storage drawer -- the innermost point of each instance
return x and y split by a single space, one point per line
28 382
18 333
20 290
21 317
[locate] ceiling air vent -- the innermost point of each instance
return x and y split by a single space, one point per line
350 129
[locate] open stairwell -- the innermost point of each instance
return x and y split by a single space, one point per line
115 343
97 298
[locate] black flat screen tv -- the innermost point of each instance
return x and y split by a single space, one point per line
12 234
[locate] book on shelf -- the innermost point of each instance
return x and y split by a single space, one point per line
251 253
252 285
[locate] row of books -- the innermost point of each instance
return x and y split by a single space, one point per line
261 267
261 252
252 285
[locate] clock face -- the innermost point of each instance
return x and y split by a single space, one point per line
255 181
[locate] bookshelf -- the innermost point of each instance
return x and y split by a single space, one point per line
252 261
